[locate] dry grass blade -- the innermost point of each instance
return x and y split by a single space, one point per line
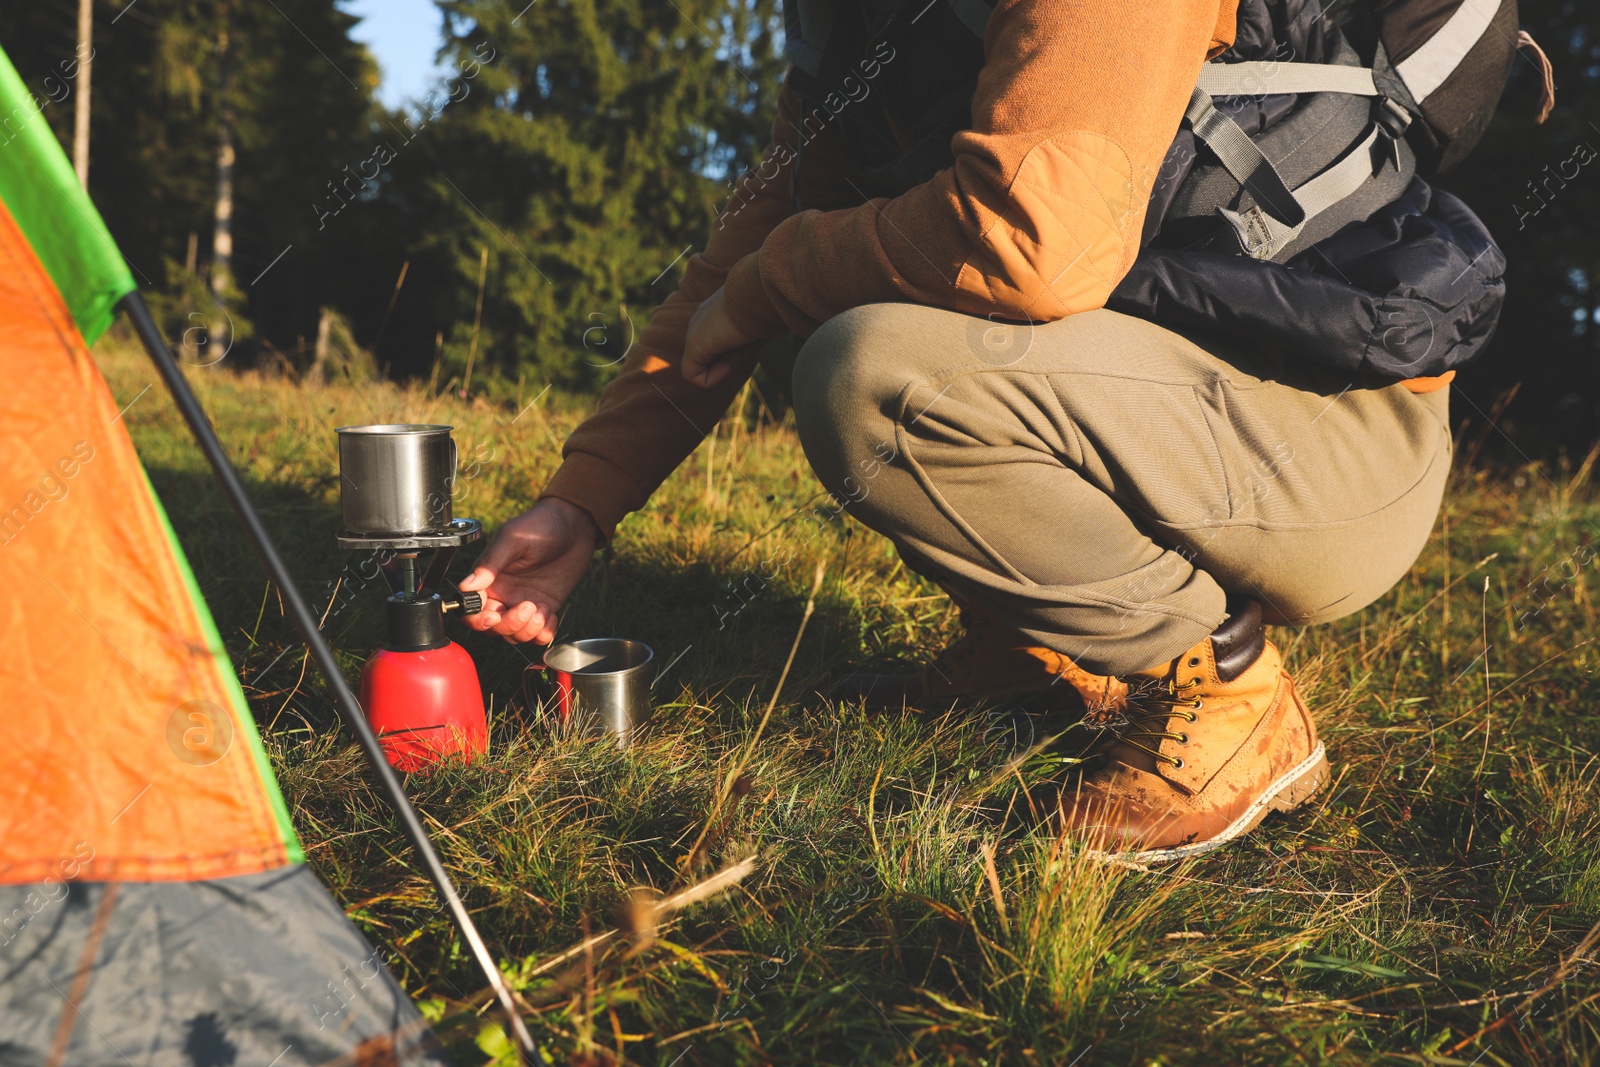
720 882
1562 971
994 888
694 853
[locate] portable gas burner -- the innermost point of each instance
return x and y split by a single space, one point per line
420 690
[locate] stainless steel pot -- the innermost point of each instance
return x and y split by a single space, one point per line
596 686
396 479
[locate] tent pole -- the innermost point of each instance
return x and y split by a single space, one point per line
304 621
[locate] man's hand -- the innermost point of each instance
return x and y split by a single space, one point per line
712 337
530 568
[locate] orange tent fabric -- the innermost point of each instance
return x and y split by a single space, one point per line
130 754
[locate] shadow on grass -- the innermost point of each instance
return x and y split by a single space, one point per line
714 633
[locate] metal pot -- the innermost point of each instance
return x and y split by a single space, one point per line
396 479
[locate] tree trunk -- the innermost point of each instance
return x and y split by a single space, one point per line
319 360
222 233
80 117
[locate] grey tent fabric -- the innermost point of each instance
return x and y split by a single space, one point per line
259 970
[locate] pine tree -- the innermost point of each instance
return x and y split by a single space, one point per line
303 110
584 143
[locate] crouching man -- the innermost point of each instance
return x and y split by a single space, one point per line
1134 368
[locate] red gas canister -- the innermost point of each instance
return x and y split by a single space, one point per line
425 706
420 691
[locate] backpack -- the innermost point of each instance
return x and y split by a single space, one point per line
1291 207
1351 103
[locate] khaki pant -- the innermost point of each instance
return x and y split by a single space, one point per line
1105 484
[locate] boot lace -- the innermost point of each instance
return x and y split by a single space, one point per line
1145 719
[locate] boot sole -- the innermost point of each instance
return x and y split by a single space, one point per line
1292 789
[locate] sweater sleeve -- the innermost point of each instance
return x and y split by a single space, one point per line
1040 216
649 418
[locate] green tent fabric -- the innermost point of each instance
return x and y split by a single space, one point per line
41 190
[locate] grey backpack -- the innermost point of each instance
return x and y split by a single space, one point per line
1351 103
1292 205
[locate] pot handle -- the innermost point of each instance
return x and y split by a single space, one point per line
440 508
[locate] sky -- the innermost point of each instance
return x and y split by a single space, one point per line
403 35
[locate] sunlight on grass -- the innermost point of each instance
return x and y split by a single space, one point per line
911 900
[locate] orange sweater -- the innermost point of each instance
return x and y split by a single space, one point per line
1039 218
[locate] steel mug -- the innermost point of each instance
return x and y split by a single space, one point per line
600 685
396 479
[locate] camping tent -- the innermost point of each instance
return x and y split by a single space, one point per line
155 906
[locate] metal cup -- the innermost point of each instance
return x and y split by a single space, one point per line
596 686
396 479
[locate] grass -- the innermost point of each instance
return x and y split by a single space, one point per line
907 903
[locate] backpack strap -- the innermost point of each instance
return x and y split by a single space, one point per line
1234 148
1426 69
1243 159
1280 213
1258 79
1262 236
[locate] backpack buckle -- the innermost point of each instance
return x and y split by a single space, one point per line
1260 236
1393 117
1393 120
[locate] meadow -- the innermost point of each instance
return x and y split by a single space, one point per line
902 897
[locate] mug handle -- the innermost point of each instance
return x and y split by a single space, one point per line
538 687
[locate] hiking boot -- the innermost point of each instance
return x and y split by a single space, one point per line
989 662
1199 751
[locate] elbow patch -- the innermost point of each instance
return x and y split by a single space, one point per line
1061 242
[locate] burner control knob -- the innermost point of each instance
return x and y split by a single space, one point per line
453 599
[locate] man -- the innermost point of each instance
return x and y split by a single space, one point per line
1115 504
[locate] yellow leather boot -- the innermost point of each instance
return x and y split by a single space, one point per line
1202 748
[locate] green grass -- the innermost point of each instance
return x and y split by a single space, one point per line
1430 907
